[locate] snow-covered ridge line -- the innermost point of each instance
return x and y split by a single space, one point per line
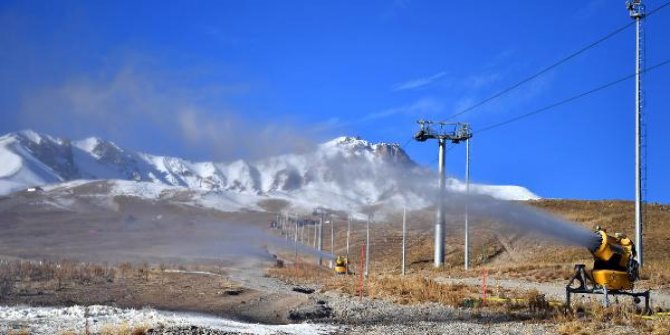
345 169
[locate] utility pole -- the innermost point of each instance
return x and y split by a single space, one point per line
636 11
332 236
282 224
332 239
442 131
321 213
316 232
288 221
404 239
467 205
440 222
348 234
319 243
367 245
296 238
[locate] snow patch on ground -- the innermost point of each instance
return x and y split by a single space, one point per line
53 320
65 187
141 189
228 201
222 201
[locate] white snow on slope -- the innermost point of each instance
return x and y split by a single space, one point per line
88 145
343 173
509 192
222 201
11 163
54 320
19 168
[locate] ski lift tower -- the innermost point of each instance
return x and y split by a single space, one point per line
636 11
442 132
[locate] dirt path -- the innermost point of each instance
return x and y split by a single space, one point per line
553 291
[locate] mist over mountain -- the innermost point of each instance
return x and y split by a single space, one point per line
344 172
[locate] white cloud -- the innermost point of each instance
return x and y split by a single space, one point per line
419 82
423 107
132 101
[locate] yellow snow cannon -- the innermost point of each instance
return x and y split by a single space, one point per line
341 264
615 270
614 266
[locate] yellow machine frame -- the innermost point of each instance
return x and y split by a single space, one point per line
341 265
614 265
615 269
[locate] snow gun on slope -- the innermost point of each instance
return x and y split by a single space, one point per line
615 270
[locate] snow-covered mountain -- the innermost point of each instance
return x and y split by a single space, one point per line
345 169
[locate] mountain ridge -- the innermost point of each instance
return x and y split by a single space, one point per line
349 167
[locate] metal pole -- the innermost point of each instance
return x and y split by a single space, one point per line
320 239
467 207
638 133
348 234
367 247
315 233
286 229
302 233
404 238
296 238
440 220
332 241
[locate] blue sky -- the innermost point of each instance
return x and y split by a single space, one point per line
227 79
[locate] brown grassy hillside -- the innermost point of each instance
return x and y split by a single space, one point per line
506 253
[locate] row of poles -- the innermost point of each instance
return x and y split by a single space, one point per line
299 227
443 132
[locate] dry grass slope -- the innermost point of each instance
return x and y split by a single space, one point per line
505 254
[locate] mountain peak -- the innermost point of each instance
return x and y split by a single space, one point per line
348 139
88 144
97 146
356 141
29 135
347 166
356 146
